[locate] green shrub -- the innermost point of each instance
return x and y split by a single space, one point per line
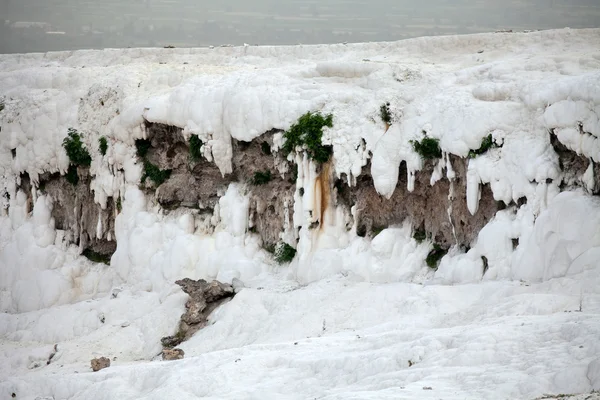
486 144
195 146
72 176
156 175
266 148
385 114
261 178
435 256
96 257
284 253
428 148
142 146
77 153
308 132
420 235
118 204
102 145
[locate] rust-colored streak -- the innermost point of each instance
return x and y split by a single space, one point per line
322 193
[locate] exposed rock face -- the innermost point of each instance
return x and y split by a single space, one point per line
74 210
204 298
100 363
574 166
172 354
199 184
427 206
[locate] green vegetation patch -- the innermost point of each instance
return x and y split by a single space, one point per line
420 235
385 114
72 176
308 133
428 148
75 149
195 146
102 145
435 255
284 253
261 177
486 144
156 175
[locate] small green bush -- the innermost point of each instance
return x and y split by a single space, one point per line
428 148
156 175
419 235
195 146
261 178
284 253
77 153
102 145
308 132
435 256
142 146
72 176
385 114
118 204
96 257
486 144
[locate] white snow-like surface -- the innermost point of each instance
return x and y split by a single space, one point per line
350 317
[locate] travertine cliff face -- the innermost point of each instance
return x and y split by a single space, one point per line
437 210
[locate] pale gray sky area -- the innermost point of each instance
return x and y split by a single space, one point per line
47 25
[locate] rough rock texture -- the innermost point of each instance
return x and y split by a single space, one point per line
100 363
427 206
199 184
204 298
574 166
74 210
172 354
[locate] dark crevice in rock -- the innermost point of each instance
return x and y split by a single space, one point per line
574 165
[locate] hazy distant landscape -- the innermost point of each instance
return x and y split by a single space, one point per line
36 25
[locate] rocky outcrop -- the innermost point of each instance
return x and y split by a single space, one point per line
426 206
172 354
204 298
75 212
100 363
574 166
198 184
